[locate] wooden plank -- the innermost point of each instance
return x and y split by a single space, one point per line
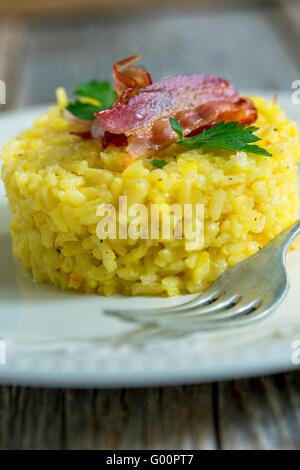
261 413
181 418
31 418
173 42
161 418
61 7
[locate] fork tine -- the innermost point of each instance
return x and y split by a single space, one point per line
207 325
240 309
189 308
241 320
248 317
202 299
175 314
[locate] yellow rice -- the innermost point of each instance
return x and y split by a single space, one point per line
55 182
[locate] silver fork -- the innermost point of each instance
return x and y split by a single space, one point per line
244 293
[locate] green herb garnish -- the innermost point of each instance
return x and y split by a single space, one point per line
225 135
84 111
102 92
159 163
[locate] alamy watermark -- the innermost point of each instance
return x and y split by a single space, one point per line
296 94
295 356
2 92
2 352
154 221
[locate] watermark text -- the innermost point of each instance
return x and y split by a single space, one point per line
296 93
2 92
2 352
295 356
155 221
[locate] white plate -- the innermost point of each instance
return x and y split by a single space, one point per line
56 338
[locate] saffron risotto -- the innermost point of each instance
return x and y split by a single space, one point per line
55 181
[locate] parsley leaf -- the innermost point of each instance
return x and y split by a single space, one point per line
159 163
225 135
102 92
84 111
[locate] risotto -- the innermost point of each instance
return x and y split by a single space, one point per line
56 180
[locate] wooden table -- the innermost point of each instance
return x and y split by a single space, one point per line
254 47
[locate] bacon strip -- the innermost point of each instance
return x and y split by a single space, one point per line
196 101
139 117
129 77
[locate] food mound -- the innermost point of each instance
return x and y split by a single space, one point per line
182 140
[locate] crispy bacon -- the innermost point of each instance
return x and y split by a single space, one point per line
196 101
128 79
120 140
102 137
105 138
139 117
